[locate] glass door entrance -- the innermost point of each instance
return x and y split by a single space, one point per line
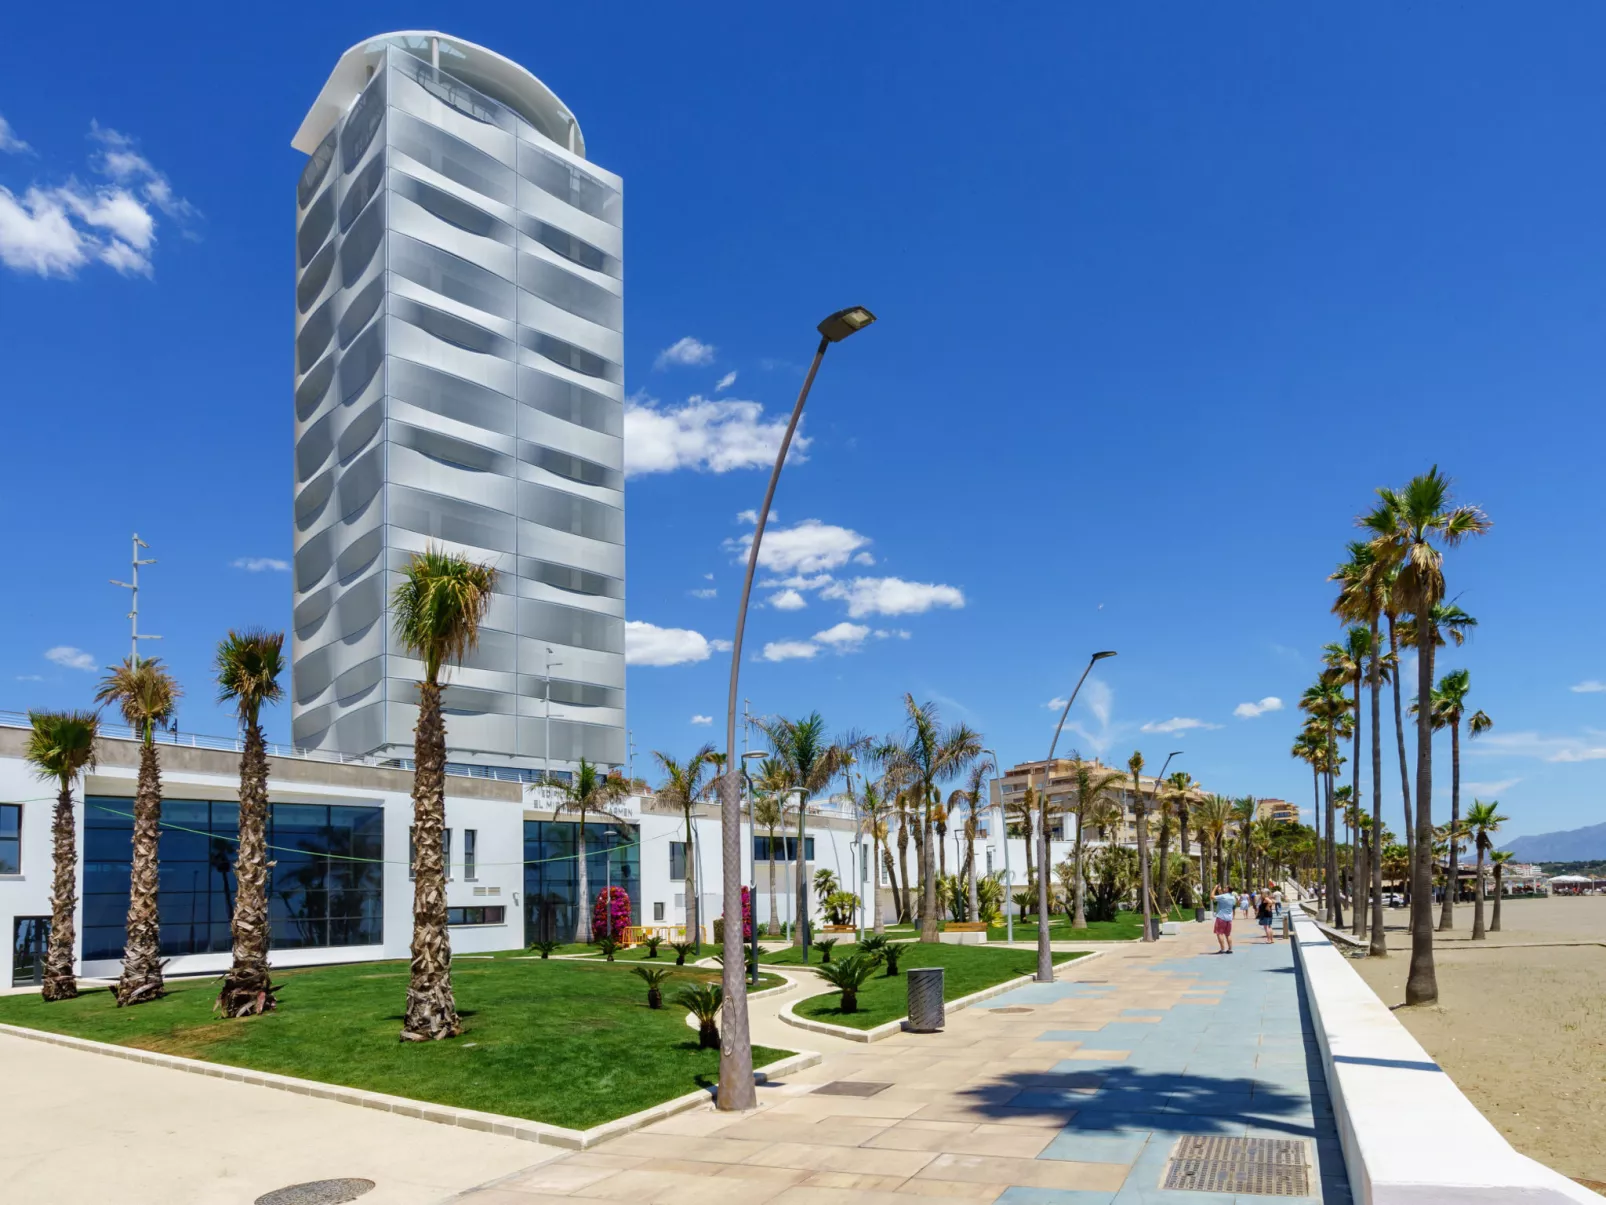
28 940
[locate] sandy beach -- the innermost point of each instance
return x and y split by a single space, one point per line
1520 1024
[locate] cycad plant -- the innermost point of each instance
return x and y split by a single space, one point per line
848 975
652 942
545 946
438 606
825 945
148 697
703 1001
654 978
61 745
681 949
248 667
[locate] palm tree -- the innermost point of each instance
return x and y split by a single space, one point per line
930 754
1349 661
588 792
439 603
967 802
683 789
1309 748
1449 706
61 746
1498 859
1483 821
1134 768
148 697
876 811
1093 784
810 763
1243 823
1212 816
248 667
767 814
1405 525
1325 703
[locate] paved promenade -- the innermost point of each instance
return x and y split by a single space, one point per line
1072 1093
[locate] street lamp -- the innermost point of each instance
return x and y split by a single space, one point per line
546 738
1045 960
1003 827
736 1089
1143 840
752 826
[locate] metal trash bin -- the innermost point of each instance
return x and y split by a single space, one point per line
925 999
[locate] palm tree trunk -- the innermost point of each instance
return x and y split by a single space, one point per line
1079 921
1422 982
60 984
879 855
694 913
1399 736
1335 909
942 849
928 880
1478 931
1452 874
141 980
247 989
1357 897
1380 946
892 879
1162 872
775 924
431 1012
583 903
800 864
900 897
1499 891
973 906
1144 880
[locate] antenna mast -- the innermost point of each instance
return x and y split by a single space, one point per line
135 635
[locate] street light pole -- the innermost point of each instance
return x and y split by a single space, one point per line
1045 959
1003 827
752 842
546 738
736 1089
1143 840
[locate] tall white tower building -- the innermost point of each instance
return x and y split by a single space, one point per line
459 383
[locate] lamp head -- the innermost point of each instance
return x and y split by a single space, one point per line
756 753
845 322
1104 654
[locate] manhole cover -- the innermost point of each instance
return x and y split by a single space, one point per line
1010 1009
317 1192
850 1087
1272 1167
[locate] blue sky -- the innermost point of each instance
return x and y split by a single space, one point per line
1164 294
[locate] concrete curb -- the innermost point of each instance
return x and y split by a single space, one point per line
469 1119
887 1028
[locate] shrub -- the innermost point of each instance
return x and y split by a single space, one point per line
702 1001
608 945
681 949
747 921
894 950
825 945
989 898
873 943
839 907
611 914
653 977
652 943
849 975
546 947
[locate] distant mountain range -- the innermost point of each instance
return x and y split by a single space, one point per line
1575 845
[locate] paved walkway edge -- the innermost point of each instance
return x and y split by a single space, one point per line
470 1119
888 1028
1409 1135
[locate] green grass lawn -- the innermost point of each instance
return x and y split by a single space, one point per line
1127 926
568 1043
884 998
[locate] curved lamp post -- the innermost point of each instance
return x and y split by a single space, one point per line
736 1089
1144 875
1045 960
1003 827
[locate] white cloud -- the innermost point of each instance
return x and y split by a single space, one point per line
796 581
9 142
1177 724
1489 788
789 650
55 231
29 677
806 547
706 592
1588 686
863 558
708 577
1099 699
261 564
1249 711
721 646
686 352
725 382
648 644
702 719
891 634
1590 747
751 516
709 436
843 637
68 657
891 596
1057 703
788 600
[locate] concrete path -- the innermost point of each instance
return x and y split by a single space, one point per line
1071 1093
84 1127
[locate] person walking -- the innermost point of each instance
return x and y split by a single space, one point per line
1225 904
1265 915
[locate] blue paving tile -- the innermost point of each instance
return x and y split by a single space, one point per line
1018 1195
1080 1147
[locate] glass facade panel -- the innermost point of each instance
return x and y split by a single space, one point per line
551 878
785 849
325 889
10 838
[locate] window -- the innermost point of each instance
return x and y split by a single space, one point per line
470 854
989 860
677 861
10 838
658 910
785 849
477 914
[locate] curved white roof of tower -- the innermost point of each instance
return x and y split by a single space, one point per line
498 77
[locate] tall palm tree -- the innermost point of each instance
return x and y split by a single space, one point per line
438 604
61 746
1498 860
683 788
588 792
1212 815
1449 700
1325 703
1243 824
1349 662
930 754
1309 748
1407 525
811 762
1164 826
1134 768
1483 821
1092 787
968 802
1181 788
767 814
147 697
248 667
876 810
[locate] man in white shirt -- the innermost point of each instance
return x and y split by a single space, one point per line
1225 902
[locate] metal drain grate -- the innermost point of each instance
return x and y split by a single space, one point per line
1272 1167
317 1192
850 1087
1014 1008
